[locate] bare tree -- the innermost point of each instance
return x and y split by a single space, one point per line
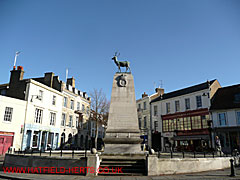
100 108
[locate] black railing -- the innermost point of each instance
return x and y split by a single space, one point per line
193 154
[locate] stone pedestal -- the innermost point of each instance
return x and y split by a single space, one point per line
123 134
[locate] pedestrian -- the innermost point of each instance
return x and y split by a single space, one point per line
218 144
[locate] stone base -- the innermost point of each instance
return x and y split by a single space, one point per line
122 148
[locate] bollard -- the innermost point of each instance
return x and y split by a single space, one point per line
183 154
220 153
204 154
194 154
159 154
40 152
61 152
171 154
72 153
232 168
213 154
50 152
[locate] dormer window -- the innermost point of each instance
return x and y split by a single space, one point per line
237 98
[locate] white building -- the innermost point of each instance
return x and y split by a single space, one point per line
12 113
43 117
182 117
225 112
43 98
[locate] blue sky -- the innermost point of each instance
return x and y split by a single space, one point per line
181 42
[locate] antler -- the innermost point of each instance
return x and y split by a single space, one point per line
117 54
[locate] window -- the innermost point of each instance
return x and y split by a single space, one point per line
77 118
222 119
63 122
177 106
187 123
167 108
139 107
145 122
87 110
187 103
65 101
52 118
205 119
8 114
196 122
238 117
35 139
155 125
54 100
165 125
139 122
78 106
38 115
144 105
180 124
172 124
72 104
155 110
40 96
199 101
237 98
70 121
83 107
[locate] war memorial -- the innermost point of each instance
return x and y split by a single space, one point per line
122 153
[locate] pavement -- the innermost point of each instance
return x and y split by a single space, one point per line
219 175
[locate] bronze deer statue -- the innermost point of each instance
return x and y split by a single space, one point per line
121 63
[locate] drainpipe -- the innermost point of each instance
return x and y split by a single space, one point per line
24 125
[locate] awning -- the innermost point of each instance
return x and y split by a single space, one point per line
196 137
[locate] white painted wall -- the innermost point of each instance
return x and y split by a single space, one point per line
231 117
18 117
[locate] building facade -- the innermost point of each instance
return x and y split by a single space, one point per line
12 113
182 117
144 117
225 112
75 113
52 110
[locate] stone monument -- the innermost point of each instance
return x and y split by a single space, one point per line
123 134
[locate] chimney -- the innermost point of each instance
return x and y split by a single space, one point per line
160 91
16 75
144 95
71 81
48 78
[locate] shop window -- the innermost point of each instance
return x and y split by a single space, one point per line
35 139
180 124
187 123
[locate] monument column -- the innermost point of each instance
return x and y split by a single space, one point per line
123 134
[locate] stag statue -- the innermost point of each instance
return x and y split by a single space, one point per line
121 63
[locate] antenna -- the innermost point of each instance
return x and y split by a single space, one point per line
15 59
66 75
154 85
160 84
